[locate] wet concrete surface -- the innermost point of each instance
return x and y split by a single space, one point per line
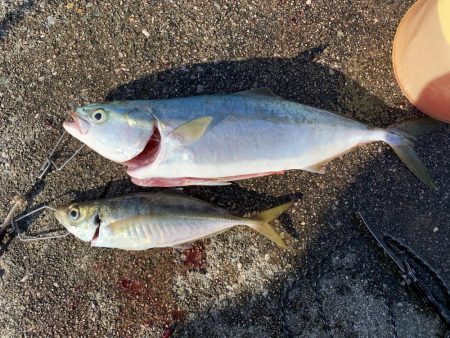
334 281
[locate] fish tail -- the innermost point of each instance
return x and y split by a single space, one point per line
401 137
264 228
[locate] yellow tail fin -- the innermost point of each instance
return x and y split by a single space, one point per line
264 228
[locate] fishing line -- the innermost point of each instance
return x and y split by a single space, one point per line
37 237
19 201
50 162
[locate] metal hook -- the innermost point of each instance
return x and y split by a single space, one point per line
49 161
34 238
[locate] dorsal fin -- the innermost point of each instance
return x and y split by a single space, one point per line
258 92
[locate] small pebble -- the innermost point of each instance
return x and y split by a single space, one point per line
146 33
308 2
435 229
50 21
303 223
266 257
340 34
56 285
239 266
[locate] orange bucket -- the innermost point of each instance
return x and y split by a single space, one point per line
421 57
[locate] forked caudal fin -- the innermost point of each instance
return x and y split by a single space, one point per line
264 228
401 138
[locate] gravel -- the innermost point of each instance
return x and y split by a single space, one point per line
332 54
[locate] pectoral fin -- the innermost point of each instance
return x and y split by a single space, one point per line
125 224
193 130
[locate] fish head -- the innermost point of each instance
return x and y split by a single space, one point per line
119 131
80 220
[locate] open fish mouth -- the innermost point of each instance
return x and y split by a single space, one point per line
149 154
98 223
95 236
80 125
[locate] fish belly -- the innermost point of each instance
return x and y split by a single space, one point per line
185 181
151 232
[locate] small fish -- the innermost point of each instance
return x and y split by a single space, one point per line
152 220
215 139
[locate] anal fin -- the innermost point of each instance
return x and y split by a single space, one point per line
318 168
183 246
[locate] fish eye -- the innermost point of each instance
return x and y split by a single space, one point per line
74 213
99 116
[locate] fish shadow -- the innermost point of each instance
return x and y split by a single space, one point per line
13 17
300 78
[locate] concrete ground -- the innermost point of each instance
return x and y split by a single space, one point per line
335 281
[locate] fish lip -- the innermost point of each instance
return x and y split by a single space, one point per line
78 124
59 215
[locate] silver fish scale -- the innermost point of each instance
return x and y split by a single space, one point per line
249 134
161 219
116 209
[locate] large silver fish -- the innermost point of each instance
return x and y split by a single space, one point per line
214 139
150 220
